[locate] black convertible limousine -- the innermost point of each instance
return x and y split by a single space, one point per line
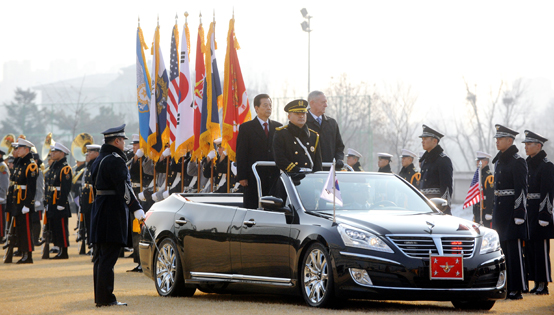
386 242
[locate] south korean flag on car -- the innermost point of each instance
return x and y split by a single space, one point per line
328 191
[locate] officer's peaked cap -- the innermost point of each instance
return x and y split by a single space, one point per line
297 106
502 132
534 137
115 132
430 132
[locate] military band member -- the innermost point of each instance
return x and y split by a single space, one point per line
4 184
87 190
539 208
436 168
58 184
383 162
487 184
24 178
408 171
353 159
295 147
509 217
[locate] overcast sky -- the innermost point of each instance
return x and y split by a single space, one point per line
431 45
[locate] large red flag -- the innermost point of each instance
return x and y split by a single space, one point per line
198 92
236 108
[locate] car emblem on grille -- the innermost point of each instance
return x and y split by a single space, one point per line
431 226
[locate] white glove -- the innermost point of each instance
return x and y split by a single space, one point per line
2 199
488 217
141 196
139 215
211 155
543 223
166 153
139 153
234 168
518 221
61 208
155 197
165 194
37 203
25 210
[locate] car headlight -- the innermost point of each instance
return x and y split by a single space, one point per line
357 238
490 242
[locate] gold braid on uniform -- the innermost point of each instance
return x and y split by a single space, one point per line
417 177
31 167
489 180
290 167
282 127
65 170
316 139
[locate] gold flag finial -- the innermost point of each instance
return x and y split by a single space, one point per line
186 16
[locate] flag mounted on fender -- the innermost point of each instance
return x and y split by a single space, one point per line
211 102
200 70
328 191
143 92
173 90
236 108
184 140
158 101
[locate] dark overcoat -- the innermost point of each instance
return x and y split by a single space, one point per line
290 154
436 175
539 196
330 137
410 174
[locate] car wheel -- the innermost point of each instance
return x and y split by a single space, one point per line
169 271
317 277
474 305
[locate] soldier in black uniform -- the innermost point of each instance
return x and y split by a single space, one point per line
509 217
436 168
87 193
383 162
58 182
487 184
111 214
353 159
219 169
295 147
408 171
24 179
4 184
539 207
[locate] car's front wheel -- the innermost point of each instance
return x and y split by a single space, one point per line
169 272
317 277
474 305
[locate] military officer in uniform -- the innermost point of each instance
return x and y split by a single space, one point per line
353 160
58 184
539 206
383 162
87 190
487 184
4 184
509 217
436 168
296 147
111 215
24 180
408 171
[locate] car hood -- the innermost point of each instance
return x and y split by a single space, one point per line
401 222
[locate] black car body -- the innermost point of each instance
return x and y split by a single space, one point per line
379 246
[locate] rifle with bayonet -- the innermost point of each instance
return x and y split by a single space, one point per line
10 236
45 239
81 234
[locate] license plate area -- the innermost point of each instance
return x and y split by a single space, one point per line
446 267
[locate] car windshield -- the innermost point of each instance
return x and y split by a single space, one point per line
361 191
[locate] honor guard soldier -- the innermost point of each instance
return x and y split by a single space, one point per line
436 168
539 208
87 190
58 184
383 162
4 184
112 213
353 160
219 168
408 171
487 184
295 147
509 217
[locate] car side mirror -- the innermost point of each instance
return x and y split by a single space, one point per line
274 204
440 203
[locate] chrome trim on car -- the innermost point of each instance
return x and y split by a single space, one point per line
433 289
492 260
370 257
239 278
427 242
144 245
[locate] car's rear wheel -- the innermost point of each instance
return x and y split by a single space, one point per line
169 272
474 305
317 277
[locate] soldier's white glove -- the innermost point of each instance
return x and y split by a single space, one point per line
60 208
2 199
234 168
518 221
37 203
139 215
211 155
488 217
25 210
543 223
155 197
166 153
165 194
141 196
139 153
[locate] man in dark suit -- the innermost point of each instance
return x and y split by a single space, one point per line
327 128
255 143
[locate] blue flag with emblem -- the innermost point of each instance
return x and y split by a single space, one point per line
143 92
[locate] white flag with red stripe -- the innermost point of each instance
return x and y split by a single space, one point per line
184 139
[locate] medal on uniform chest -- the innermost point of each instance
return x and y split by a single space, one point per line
312 149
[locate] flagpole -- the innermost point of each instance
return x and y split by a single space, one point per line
334 180
480 194
140 166
183 174
228 173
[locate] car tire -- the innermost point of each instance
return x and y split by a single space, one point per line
474 305
316 277
169 271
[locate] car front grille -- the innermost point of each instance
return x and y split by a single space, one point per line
419 246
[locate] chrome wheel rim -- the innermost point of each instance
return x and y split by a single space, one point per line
166 268
316 276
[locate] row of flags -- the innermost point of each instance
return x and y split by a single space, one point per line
183 114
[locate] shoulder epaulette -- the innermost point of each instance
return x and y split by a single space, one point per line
516 156
443 154
282 127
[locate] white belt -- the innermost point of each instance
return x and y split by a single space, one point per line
531 196
20 186
504 192
52 188
431 191
135 185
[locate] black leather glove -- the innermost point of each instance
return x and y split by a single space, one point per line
339 164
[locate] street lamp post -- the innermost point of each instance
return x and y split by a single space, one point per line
306 28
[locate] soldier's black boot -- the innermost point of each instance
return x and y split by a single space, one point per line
514 295
542 289
17 253
26 259
533 290
62 254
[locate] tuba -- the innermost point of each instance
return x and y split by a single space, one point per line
79 146
6 143
48 142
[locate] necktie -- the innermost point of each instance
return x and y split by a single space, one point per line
266 130
319 120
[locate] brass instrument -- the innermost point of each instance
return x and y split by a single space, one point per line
79 146
48 142
6 143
